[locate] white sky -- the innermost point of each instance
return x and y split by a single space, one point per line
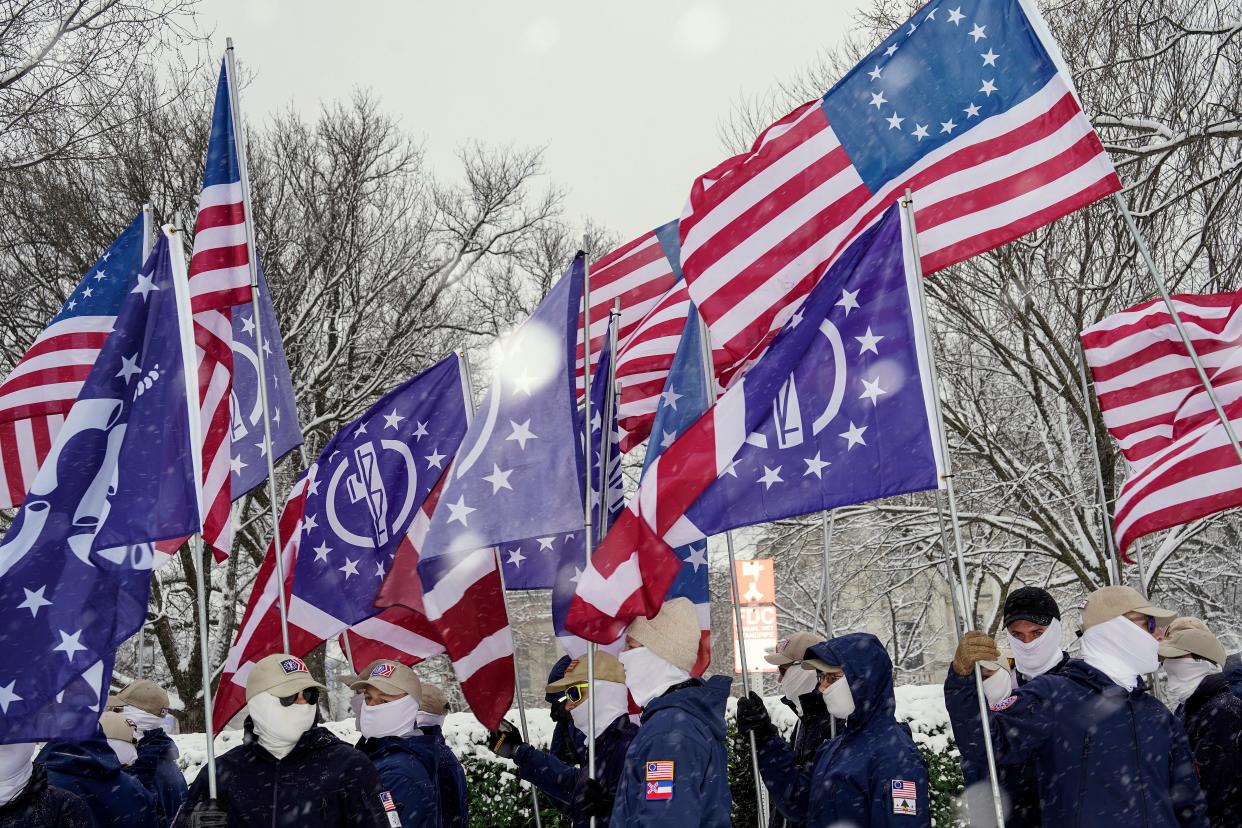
627 97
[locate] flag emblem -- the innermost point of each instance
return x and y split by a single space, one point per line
1003 704
905 797
659 771
659 790
293 665
383 670
386 798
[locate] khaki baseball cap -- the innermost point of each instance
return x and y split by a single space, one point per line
672 634
143 694
391 677
1109 602
793 649
281 675
1185 639
607 668
434 701
116 726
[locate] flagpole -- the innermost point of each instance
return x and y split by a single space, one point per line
1111 556
828 522
204 656
709 374
468 391
349 651
148 244
588 543
907 205
956 600
252 256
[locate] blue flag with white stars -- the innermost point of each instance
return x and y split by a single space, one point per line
365 490
853 419
75 566
518 474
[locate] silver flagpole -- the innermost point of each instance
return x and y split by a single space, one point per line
589 542
1163 289
148 244
956 600
349 651
468 390
907 205
1111 556
709 374
239 137
828 522
204 655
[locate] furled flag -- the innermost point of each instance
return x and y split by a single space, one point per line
248 461
75 565
969 104
219 279
1181 464
41 388
686 396
839 410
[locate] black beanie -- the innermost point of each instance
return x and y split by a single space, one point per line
1031 604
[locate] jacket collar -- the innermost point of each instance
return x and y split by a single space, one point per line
1210 686
316 738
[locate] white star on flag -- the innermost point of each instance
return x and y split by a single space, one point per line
697 556
435 459
854 436
459 511
770 477
848 300
521 433
34 600
499 478
872 390
867 342
7 696
815 465
321 551
391 420
69 644
129 367
350 568
516 557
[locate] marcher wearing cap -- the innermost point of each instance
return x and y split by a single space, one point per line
1106 751
1032 622
146 704
567 784
871 774
91 770
450 775
1192 659
28 801
676 770
288 770
568 743
388 722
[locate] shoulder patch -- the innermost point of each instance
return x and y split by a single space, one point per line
659 770
905 797
659 790
1003 704
390 809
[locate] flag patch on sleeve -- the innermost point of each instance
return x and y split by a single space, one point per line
1003 704
390 809
659 771
659 790
905 797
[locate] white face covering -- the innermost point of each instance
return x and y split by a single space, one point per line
394 718
797 683
355 705
15 769
1184 677
838 698
1122 650
1039 656
277 727
125 751
647 675
998 686
611 702
428 720
143 721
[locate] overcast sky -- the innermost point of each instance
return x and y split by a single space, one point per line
628 97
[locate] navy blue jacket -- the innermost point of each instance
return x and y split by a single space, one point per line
568 742
91 770
1233 674
1018 781
1213 719
854 775
684 726
1103 755
814 727
450 780
564 783
321 783
156 768
407 767
39 805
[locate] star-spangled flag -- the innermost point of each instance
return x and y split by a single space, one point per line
366 489
685 398
42 386
75 566
248 463
838 411
518 473
969 104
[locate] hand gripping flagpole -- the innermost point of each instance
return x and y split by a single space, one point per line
709 375
1111 556
239 138
468 392
907 205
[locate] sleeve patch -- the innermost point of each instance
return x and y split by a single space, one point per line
390 809
905 797
659 770
1003 704
659 790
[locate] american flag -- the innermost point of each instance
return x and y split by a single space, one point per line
1181 464
968 104
219 279
42 386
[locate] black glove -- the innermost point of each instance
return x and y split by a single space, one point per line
505 741
752 716
813 705
559 713
208 814
596 800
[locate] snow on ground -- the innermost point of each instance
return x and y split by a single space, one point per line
921 705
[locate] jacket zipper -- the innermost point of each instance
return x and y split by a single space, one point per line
1138 763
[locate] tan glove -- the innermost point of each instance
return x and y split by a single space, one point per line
975 646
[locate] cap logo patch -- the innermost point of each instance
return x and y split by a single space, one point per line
905 797
293 665
383 670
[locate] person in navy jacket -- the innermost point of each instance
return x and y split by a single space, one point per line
568 743
676 770
450 775
146 704
871 774
91 770
567 784
1106 752
27 801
